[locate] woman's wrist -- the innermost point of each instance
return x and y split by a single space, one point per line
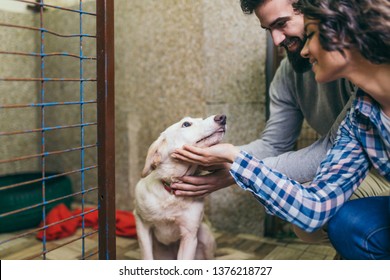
233 153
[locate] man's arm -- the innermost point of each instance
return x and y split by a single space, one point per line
302 165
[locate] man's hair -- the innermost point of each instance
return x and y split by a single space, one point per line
248 6
346 24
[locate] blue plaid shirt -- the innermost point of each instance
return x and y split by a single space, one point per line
362 142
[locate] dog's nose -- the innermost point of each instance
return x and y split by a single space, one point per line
221 119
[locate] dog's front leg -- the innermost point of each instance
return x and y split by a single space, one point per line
188 244
145 240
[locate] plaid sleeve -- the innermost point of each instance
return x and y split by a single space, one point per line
308 207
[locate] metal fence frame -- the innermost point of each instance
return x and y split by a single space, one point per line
106 127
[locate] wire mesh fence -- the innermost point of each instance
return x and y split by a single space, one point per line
57 137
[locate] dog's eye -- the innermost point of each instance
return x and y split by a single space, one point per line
186 124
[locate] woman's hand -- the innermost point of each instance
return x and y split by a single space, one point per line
214 155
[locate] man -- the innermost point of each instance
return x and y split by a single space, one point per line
294 96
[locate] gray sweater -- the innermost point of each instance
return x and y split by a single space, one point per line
293 98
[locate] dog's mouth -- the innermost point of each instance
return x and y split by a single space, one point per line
212 139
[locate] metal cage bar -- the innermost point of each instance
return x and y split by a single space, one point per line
43 30
38 4
106 127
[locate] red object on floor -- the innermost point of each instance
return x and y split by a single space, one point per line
125 222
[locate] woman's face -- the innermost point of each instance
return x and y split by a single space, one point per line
327 65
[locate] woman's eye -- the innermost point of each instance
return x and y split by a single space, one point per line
308 36
186 124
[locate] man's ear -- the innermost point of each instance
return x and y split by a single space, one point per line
154 156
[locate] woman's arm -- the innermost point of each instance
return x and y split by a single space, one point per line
308 207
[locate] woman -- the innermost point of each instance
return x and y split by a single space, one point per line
345 39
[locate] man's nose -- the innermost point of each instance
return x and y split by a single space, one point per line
277 36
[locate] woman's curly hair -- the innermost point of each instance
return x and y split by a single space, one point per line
346 24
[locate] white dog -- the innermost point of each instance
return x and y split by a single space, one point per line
170 227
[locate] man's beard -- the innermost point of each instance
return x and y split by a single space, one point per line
299 63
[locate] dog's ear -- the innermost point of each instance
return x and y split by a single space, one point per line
154 156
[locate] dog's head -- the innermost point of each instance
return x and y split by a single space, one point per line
188 131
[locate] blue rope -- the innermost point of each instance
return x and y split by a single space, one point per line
82 130
43 150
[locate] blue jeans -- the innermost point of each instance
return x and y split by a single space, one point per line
360 230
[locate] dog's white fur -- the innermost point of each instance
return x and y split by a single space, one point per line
171 227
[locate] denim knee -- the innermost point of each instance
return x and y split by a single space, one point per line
361 229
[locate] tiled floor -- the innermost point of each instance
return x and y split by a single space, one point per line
229 247
248 247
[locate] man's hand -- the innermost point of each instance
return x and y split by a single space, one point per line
203 185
